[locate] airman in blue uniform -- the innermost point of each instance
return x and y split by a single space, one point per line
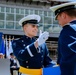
66 16
31 53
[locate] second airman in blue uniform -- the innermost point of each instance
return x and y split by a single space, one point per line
66 16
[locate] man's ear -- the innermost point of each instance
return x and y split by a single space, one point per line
64 15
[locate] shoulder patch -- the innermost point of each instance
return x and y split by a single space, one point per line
73 26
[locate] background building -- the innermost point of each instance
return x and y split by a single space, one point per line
11 11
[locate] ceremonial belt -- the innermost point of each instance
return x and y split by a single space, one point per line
30 71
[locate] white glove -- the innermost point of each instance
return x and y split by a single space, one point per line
42 37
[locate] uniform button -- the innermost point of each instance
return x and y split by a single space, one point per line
42 56
23 44
27 66
26 61
22 41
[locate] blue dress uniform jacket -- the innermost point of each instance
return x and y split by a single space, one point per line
67 49
28 56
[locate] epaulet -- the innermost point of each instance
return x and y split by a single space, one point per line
73 26
16 39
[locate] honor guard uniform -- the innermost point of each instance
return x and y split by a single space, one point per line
66 16
31 59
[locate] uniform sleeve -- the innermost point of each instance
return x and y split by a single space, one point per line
72 45
47 59
59 54
23 53
66 44
69 38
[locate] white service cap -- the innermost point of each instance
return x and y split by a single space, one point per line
62 7
32 19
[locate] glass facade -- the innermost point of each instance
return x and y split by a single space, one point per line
10 16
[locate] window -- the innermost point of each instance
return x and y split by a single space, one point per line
2 9
50 13
22 11
45 13
12 10
31 11
55 21
26 11
40 27
10 25
41 21
17 10
48 27
18 26
41 12
36 12
2 16
10 17
18 17
7 9
47 20
1 24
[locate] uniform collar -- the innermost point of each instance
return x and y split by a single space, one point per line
74 21
27 37
70 23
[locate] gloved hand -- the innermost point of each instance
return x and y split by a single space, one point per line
42 37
